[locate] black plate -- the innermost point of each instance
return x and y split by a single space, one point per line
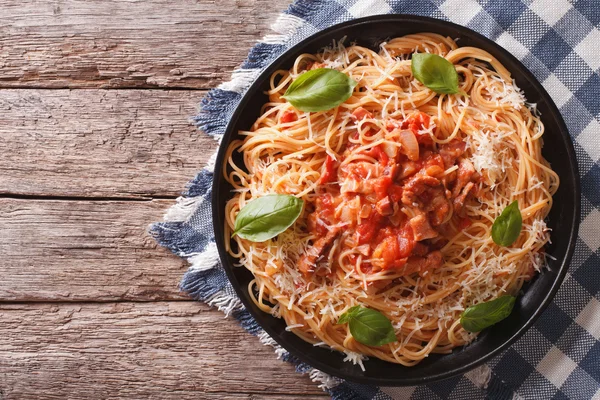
563 218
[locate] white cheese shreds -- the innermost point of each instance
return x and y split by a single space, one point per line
355 358
506 94
489 154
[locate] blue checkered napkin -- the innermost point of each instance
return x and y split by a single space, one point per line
559 41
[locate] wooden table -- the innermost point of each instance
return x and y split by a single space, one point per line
95 144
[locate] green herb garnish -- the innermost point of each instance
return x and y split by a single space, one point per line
320 90
480 316
507 226
266 217
368 326
435 72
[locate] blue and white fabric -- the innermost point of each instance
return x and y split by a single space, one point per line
559 41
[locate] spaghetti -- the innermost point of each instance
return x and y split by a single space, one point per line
401 187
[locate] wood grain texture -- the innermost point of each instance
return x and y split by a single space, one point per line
54 250
99 143
97 312
168 350
118 44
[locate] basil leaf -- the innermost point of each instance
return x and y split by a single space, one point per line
345 317
320 90
368 326
480 316
507 226
266 217
435 72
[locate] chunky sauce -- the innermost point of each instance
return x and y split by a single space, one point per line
391 202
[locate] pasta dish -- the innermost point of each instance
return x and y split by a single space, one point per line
401 185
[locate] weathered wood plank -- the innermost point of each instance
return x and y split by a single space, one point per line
100 143
111 43
84 250
167 350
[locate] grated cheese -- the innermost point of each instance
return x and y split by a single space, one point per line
355 358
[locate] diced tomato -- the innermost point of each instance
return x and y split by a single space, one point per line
329 172
464 223
366 268
395 193
385 253
392 250
424 139
327 202
371 132
288 116
381 186
379 153
417 122
368 228
384 233
382 155
323 214
406 242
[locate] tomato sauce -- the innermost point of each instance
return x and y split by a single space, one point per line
392 212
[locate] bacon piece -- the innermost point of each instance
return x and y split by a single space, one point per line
324 214
433 165
417 185
439 208
465 173
384 206
307 262
418 121
464 223
421 228
420 249
448 179
451 151
329 171
459 201
395 192
364 177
